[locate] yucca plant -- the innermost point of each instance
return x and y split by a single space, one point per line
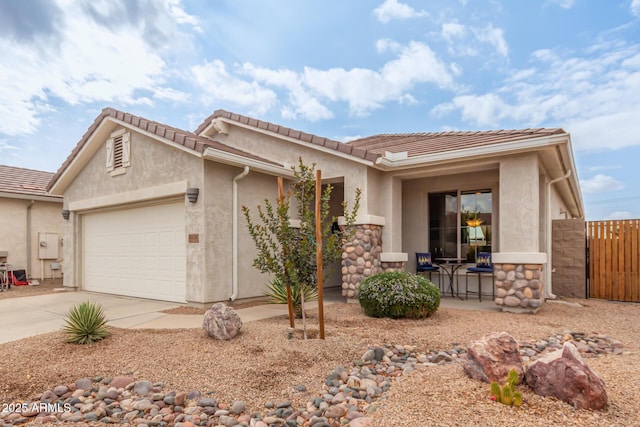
277 294
85 323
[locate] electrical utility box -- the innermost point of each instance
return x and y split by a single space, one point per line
48 246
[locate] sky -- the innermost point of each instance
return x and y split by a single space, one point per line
335 68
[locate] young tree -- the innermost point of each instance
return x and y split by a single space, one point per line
289 253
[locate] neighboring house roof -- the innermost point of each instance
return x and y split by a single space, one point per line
290 133
185 138
24 182
418 144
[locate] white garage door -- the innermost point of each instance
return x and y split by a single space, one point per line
137 252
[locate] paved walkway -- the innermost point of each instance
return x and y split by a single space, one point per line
29 316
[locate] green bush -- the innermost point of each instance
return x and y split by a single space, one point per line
277 294
398 294
85 323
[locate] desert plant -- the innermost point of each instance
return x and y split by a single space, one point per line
507 394
277 294
398 294
85 323
289 253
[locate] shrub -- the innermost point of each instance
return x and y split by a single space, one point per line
277 294
85 323
398 294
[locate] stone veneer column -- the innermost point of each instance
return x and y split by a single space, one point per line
519 287
361 257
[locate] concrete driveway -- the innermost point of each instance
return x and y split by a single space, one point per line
30 316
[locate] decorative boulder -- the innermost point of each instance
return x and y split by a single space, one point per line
563 374
492 357
221 322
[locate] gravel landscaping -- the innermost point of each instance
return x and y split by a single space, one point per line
261 366
46 286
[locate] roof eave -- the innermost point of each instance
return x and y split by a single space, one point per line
368 159
474 152
36 197
532 144
574 181
227 158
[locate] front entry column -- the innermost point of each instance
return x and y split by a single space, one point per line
518 264
361 254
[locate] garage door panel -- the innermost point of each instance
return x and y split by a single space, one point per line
137 252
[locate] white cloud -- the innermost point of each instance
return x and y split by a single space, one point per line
387 45
455 69
301 103
451 31
635 7
181 16
465 40
600 184
565 4
586 95
5 146
484 110
171 94
392 9
219 85
348 138
366 90
620 215
86 58
307 94
493 36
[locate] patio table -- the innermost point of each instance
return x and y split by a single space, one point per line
450 266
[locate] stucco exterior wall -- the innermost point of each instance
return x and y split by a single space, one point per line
389 193
559 209
355 174
153 164
415 192
45 218
519 204
218 201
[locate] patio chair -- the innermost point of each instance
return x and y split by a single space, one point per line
483 267
424 265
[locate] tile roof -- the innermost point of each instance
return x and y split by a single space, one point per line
291 133
24 181
418 144
185 138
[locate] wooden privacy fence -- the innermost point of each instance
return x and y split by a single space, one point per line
614 260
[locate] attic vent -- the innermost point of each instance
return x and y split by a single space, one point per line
118 151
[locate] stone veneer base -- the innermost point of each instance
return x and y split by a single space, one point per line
519 287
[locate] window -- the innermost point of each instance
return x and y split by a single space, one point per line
118 151
460 224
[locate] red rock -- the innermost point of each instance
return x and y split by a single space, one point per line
563 375
179 399
492 357
221 322
121 382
